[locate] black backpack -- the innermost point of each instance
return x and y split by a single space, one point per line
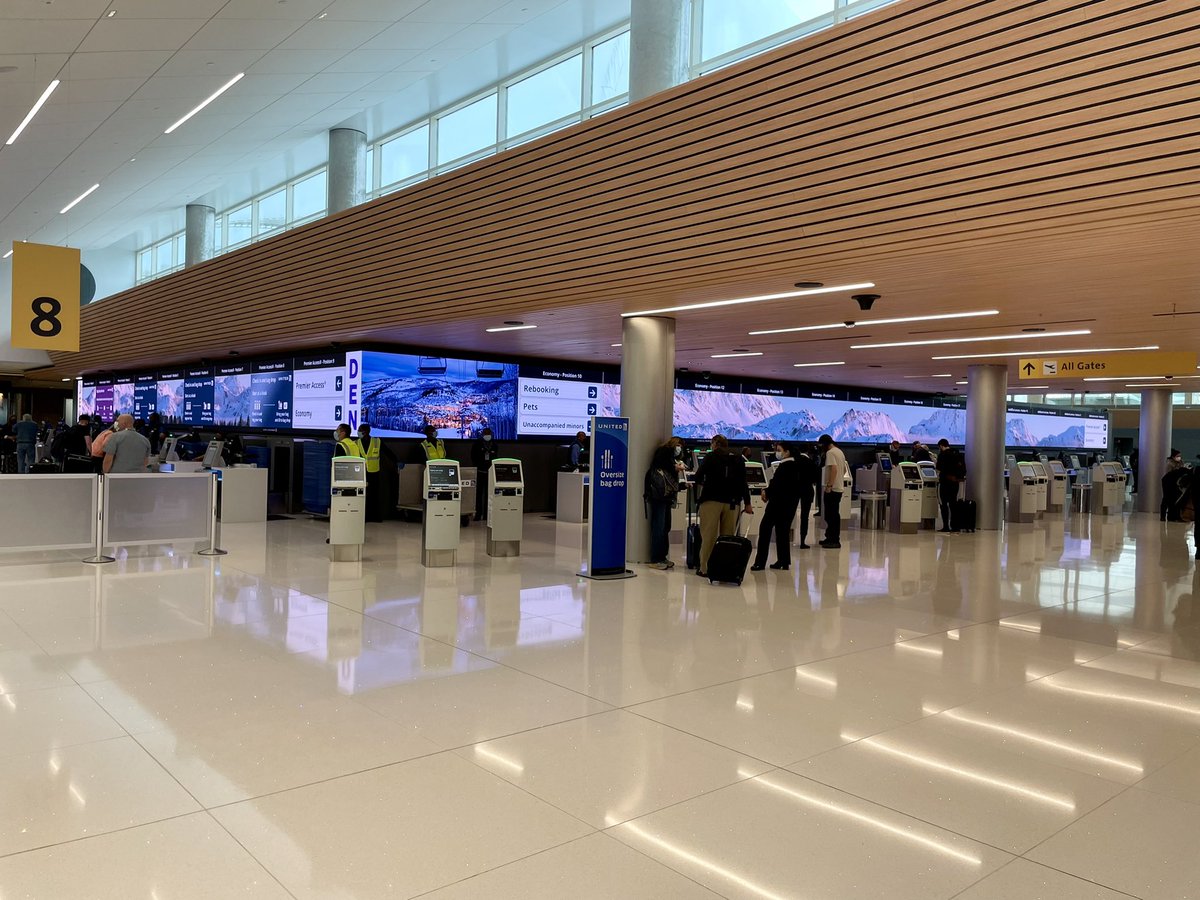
659 486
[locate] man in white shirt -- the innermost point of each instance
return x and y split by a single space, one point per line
832 479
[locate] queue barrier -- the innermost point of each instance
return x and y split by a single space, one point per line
71 512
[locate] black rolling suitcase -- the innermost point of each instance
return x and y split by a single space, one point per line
962 515
45 467
729 558
692 540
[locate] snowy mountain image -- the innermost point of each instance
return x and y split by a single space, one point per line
170 401
231 400
862 426
1072 437
950 424
1017 434
122 399
794 426
713 409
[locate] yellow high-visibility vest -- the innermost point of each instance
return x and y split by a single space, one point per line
347 447
434 451
371 453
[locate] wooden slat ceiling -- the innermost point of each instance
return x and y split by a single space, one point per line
1036 156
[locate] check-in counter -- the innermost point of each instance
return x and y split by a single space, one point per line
243 494
572 504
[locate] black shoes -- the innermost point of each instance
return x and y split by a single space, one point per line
781 568
757 568
945 531
831 545
805 547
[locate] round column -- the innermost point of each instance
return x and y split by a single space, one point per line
987 387
648 401
200 234
658 46
347 175
1154 445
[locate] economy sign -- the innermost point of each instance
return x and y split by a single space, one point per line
45 297
1116 365
609 464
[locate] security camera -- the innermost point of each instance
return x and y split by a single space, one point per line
865 301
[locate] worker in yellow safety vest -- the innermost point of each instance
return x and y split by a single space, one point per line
369 448
432 445
345 445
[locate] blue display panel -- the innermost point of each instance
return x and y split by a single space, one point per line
198 397
122 396
231 395
103 407
318 391
404 393
271 395
145 396
169 399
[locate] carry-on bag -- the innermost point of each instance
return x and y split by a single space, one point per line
692 541
962 515
729 558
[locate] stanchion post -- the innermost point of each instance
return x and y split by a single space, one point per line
213 549
99 558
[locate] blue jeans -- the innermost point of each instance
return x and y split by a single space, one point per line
25 457
660 530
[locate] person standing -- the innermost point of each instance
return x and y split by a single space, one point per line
782 496
893 451
78 438
833 477
920 453
483 451
952 470
126 451
432 445
370 448
345 445
660 493
722 481
26 433
810 476
579 452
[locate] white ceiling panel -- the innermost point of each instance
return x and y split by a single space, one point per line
461 11
99 90
518 12
63 9
474 36
126 64
326 34
122 33
221 63
335 82
286 62
54 36
38 68
300 10
413 35
371 10
242 34
167 9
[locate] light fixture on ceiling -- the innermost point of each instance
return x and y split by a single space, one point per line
971 340
66 379
808 285
322 15
72 204
1151 386
1129 378
614 345
962 382
1045 352
761 298
110 14
735 355
217 93
518 327
1031 387
41 101
943 375
816 365
8 254
893 321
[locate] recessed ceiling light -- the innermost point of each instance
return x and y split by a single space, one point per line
71 205
807 292
509 328
1031 387
110 14
33 111
734 355
892 321
322 15
1129 378
815 365
8 254
970 340
66 379
1040 352
217 93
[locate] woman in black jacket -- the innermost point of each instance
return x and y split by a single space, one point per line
782 496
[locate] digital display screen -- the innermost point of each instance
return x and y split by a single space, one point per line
122 397
1056 468
198 398
170 398
271 395
755 475
351 470
103 407
910 472
507 472
212 456
885 464
318 398
559 400
443 476
145 396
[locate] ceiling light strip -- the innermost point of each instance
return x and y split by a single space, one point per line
41 101
971 340
816 365
734 355
217 93
8 254
895 321
66 209
807 292
509 328
1080 352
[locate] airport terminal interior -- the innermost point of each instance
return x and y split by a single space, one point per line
367 528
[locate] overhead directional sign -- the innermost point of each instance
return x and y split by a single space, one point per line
45 297
1118 365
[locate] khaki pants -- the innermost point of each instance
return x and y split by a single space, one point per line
716 519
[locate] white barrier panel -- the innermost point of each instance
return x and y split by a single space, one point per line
157 508
47 512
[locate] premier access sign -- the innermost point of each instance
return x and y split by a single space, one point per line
1118 365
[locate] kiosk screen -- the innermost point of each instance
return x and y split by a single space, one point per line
212 456
443 476
755 475
885 464
911 473
349 470
507 472
167 450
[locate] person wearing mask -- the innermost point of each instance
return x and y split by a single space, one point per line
483 451
782 496
660 493
432 445
26 434
810 476
679 455
722 481
369 449
920 453
345 445
100 441
579 452
952 470
78 439
126 451
833 474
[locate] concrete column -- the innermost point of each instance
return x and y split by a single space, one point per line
659 42
347 177
986 413
648 401
200 234
1154 445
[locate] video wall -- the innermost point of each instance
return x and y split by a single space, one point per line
400 394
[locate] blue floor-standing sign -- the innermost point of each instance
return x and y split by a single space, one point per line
606 504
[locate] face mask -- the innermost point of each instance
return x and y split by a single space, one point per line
337 435
487 438
361 436
679 451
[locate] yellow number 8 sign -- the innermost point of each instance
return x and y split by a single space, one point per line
45 297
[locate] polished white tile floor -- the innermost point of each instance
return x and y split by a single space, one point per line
977 716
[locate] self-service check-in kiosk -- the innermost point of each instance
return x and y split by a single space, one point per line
443 509
883 472
904 511
1042 474
756 480
1022 493
866 478
929 494
347 508
1056 495
1108 488
506 507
